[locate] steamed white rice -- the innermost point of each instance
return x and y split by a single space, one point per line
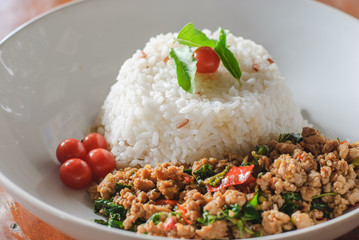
144 107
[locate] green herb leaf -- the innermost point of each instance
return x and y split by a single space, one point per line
120 186
207 218
101 221
250 211
204 172
293 137
227 57
185 67
188 171
292 196
192 37
115 223
240 226
109 208
254 201
318 205
262 150
289 207
325 194
155 218
236 209
216 179
355 162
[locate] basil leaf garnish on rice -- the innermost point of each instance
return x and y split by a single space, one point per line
186 64
227 57
193 37
185 67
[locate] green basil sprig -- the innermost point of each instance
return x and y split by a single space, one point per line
192 37
186 64
185 67
227 57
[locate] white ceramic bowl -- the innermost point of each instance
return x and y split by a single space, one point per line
56 71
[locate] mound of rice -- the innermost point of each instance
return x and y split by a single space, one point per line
149 119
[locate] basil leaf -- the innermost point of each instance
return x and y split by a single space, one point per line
216 179
185 67
120 186
325 194
293 137
227 57
292 196
112 222
289 207
115 223
155 218
254 201
194 38
262 150
109 208
250 213
240 226
204 172
318 205
207 218
101 221
236 209
188 171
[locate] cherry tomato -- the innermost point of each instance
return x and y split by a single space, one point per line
101 162
94 140
207 60
75 173
70 148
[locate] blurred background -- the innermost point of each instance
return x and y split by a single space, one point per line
13 13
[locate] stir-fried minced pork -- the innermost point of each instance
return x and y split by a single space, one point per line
291 183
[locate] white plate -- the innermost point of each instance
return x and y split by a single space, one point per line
56 71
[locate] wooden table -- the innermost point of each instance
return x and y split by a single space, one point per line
15 221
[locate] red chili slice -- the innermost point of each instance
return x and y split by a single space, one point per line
166 202
188 178
169 223
183 211
235 176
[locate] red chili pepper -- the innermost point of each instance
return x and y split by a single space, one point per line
183 211
300 157
235 176
166 202
169 223
188 178
343 142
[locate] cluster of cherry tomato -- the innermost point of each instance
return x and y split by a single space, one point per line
84 161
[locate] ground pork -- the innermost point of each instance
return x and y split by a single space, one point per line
301 220
274 222
290 170
168 188
216 204
107 187
217 229
288 174
231 197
